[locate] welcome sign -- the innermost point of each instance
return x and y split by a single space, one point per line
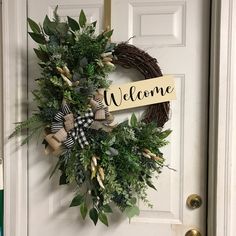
141 93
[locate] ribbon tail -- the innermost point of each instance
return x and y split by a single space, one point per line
82 138
69 142
56 126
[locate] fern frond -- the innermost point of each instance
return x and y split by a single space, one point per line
33 132
32 122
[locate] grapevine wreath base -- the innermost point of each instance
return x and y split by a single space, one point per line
129 56
108 162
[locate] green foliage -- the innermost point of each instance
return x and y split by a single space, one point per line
103 218
150 184
131 211
106 208
56 81
63 180
133 120
34 26
83 210
71 57
164 134
82 19
55 15
34 124
38 38
73 44
77 201
42 55
48 26
128 173
73 24
93 214
108 34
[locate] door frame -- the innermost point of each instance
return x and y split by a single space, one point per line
222 121
222 117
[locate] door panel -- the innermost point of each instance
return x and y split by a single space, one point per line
177 34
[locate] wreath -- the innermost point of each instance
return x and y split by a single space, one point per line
110 164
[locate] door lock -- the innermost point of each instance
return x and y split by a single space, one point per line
193 232
194 201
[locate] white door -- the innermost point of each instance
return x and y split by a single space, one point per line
177 34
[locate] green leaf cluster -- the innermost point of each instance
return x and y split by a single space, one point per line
75 45
128 174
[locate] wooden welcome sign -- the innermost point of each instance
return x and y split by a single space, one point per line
141 93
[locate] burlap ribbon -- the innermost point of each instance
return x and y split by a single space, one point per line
102 117
66 130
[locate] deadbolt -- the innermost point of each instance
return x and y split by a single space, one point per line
194 201
193 232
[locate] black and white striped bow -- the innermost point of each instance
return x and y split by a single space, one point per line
75 133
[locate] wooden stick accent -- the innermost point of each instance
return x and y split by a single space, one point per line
107 14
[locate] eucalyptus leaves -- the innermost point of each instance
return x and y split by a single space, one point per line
116 163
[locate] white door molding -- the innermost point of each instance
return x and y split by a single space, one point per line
1 102
222 166
14 99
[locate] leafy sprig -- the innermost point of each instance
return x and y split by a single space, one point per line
128 173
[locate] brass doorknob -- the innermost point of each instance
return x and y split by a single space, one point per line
193 232
194 201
